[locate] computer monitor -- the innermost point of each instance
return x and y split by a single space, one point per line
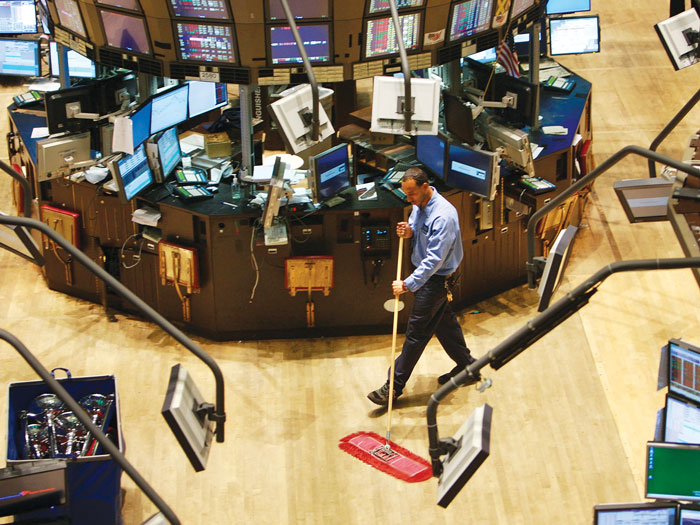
126 32
681 421
475 171
200 42
469 18
116 91
380 37
525 111
301 9
458 117
676 34
684 370
689 515
379 6
388 103
484 57
283 48
58 102
672 471
331 172
33 486
562 7
430 152
78 65
658 513
169 108
206 96
69 17
19 57
574 35
141 124
554 267
519 7
132 173
272 204
169 151
521 42
217 9
17 16
130 5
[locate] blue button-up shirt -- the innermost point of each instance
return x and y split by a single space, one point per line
437 243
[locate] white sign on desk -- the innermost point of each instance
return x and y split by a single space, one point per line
209 76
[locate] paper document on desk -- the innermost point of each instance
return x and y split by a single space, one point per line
367 191
554 130
191 143
263 174
40 133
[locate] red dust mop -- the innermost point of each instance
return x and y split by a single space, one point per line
368 446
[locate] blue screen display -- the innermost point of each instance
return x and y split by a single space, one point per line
19 57
430 151
141 124
332 171
558 7
135 173
169 151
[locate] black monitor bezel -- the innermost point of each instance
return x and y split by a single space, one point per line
58 23
87 91
274 21
100 4
124 12
442 176
680 399
313 162
515 19
549 29
160 160
120 182
178 51
468 37
418 49
174 16
447 96
659 444
36 24
401 10
497 89
37 55
154 97
268 43
687 346
491 154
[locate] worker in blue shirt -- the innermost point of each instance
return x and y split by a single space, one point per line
437 252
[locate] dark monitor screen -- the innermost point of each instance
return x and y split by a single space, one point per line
133 174
522 44
331 171
36 489
69 16
469 18
525 111
131 5
141 124
78 65
658 513
574 35
672 471
116 89
458 117
55 103
19 57
205 96
125 32
284 50
430 152
560 7
205 42
381 37
169 108
682 421
300 9
17 16
684 369
169 151
472 170
378 6
520 6
200 8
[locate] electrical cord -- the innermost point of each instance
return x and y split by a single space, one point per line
253 260
136 257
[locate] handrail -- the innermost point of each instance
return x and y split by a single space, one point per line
533 269
219 414
533 330
27 189
408 100
82 416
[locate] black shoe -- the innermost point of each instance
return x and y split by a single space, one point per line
444 378
381 395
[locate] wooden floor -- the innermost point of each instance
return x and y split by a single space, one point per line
572 414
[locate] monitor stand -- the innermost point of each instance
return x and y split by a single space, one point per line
276 234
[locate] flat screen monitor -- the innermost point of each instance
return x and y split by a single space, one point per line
19 57
658 513
127 32
56 101
78 65
672 471
301 9
69 17
199 42
689 515
17 16
25 488
684 370
141 124
485 57
169 151
525 110
520 6
387 105
469 18
132 173
681 421
169 108
458 117
522 44
562 7
574 35
380 37
676 36
130 5
331 171
379 6
430 152
555 265
116 91
206 96
217 9
284 50
471 170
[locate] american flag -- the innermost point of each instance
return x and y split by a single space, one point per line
508 58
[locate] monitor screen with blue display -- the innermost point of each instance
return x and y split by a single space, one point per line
283 47
331 171
17 16
169 108
169 151
132 173
78 65
19 57
472 170
141 124
560 7
430 151
205 96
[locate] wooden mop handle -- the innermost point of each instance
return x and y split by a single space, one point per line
393 344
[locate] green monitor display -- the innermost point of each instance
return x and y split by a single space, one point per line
673 471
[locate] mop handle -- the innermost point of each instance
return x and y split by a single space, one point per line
393 345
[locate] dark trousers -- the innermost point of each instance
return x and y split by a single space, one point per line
431 315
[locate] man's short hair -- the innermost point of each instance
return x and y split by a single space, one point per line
417 175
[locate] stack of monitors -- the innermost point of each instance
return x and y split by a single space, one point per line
682 413
311 18
19 57
204 31
379 32
17 16
78 65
